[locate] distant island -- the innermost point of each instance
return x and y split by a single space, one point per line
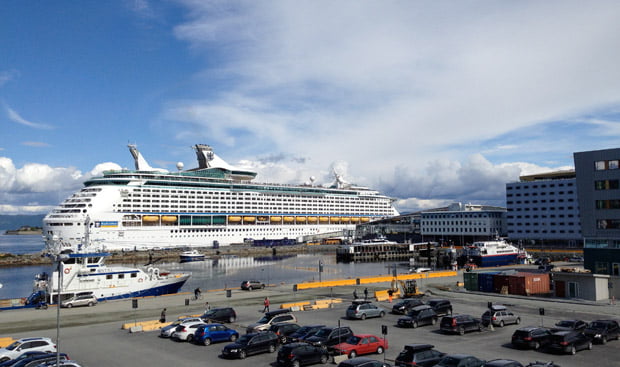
25 230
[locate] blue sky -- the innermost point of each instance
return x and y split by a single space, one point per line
429 102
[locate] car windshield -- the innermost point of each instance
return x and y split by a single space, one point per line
404 354
304 330
323 332
13 346
353 339
565 323
263 320
450 362
414 313
597 325
352 307
244 339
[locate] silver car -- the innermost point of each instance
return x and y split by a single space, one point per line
363 309
499 316
80 300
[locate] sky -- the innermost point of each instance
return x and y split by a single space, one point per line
429 102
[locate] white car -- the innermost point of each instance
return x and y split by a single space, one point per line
21 346
166 331
185 331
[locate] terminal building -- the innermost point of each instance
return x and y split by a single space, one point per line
543 210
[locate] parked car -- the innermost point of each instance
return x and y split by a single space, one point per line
304 332
362 362
283 330
531 337
24 345
270 318
418 316
459 324
221 314
329 336
361 344
248 285
503 363
24 355
440 306
603 330
363 309
208 333
186 331
418 355
63 363
403 306
569 341
460 360
166 331
252 343
576 259
499 316
542 364
570 325
39 359
301 354
79 300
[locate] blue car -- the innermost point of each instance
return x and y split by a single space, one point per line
209 333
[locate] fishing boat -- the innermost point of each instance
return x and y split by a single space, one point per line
191 255
87 273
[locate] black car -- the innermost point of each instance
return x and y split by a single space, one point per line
330 336
570 325
248 285
39 359
283 330
441 306
418 316
301 354
304 332
252 343
569 341
418 355
362 362
603 330
403 306
460 360
222 314
459 324
531 337
503 363
542 364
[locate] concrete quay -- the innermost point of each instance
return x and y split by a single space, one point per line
93 336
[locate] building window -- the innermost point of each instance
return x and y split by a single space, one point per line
601 267
599 165
615 269
613 164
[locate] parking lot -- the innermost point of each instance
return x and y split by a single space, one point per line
106 344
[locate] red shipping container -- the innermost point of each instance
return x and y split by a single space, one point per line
525 284
500 281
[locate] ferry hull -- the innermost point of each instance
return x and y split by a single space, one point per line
155 291
491 260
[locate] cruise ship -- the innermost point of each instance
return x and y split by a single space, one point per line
215 204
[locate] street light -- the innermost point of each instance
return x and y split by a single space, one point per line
59 258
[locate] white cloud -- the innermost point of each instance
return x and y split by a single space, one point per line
7 75
15 117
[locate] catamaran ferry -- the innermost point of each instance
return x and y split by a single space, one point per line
213 204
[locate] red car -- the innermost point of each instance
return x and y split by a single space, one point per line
361 344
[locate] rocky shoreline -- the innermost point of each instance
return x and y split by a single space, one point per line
143 257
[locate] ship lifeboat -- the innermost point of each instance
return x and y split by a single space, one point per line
365 220
300 219
313 219
335 219
323 219
234 219
150 218
354 219
276 219
168 218
344 219
289 219
249 219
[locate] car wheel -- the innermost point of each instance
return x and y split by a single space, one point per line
233 337
381 314
604 340
501 323
480 327
4 359
589 345
461 331
573 351
190 338
363 317
272 348
380 350
90 304
518 320
536 346
283 340
415 324
207 341
69 305
250 288
324 358
295 364
262 286
242 354
231 319
433 321
353 354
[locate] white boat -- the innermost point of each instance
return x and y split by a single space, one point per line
82 273
192 255
215 203
492 253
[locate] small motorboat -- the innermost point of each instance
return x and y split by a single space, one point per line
192 255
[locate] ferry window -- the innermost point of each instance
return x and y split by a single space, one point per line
109 276
134 275
121 276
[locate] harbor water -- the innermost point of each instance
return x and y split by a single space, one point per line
225 272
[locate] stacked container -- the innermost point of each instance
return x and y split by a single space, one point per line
525 284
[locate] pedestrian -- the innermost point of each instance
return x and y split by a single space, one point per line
365 294
162 317
355 294
196 293
390 295
266 304
207 306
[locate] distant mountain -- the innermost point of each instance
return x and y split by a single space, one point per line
18 221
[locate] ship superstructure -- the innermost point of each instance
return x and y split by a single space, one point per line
149 208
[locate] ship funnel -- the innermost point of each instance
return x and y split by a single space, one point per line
139 161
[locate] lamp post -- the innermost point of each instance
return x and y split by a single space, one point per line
59 267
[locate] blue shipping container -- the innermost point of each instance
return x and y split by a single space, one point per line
485 281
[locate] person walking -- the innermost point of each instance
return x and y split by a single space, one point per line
207 306
197 293
390 295
266 304
162 317
365 294
354 294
